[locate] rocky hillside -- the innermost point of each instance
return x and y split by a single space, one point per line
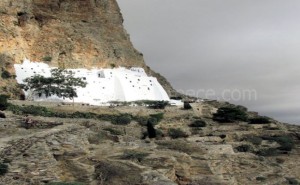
61 144
65 33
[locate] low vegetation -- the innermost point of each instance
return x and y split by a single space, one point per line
120 119
175 133
292 181
230 114
261 178
158 116
5 74
198 123
267 152
286 142
3 168
244 148
3 102
259 120
47 58
254 140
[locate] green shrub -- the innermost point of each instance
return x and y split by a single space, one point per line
5 74
47 59
230 114
198 123
152 121
122 119
286 142
176 133
3 168
223 136
268 152
134 155
259 120
292 181
112 65
33 110
3 102
261 178
159 105
142 120
158 116
2 115
255 140
152 103
244 148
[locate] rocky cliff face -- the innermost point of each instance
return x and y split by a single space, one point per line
70 33
65 33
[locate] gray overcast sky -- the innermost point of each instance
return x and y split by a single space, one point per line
217 45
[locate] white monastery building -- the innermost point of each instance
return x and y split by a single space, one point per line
103 85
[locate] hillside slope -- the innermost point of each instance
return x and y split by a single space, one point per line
94 145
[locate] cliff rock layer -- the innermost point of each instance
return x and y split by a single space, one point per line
65 33
70 33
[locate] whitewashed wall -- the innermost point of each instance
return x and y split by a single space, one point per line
103 85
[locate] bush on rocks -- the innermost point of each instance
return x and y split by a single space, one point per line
259 120
3 168
230 114
198 123
3 102
2 115
175 133
244 148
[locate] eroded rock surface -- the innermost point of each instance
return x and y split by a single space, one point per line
90 151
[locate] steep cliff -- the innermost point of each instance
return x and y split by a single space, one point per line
65 33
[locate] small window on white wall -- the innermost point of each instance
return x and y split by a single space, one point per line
101 74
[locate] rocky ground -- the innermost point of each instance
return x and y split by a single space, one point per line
90 151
